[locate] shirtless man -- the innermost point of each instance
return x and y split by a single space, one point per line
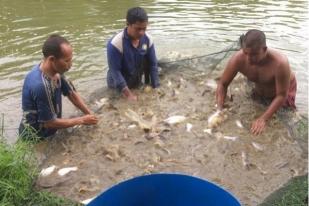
268 69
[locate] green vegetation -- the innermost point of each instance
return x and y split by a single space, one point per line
293 193
18 172
302 127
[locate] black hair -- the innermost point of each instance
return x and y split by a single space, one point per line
254 38
136 14
52 46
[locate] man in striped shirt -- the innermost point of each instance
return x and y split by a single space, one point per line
131 54
42 90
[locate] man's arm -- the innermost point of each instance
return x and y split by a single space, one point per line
76 99
282 81
47 114
225 80
87 119
153 64
114 58
128 94
69 90
65 123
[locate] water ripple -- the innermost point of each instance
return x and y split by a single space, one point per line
174 24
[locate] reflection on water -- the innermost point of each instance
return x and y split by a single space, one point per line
198 27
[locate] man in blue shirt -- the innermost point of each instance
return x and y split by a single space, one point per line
42 89
131 54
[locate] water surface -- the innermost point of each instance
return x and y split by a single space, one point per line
196 27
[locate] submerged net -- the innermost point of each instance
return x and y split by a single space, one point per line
134 139
195 64
296 123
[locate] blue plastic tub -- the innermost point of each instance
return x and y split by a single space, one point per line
165 190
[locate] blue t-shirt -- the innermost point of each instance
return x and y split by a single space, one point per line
41 100
124 60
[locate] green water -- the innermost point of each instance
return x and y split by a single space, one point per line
199 27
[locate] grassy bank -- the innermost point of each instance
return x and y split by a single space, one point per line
293 193
18 172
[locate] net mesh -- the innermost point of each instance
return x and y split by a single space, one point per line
194 64
296 124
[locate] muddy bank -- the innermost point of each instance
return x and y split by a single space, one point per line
132 139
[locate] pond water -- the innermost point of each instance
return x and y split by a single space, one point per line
196 27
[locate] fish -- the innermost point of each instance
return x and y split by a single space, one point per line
211 84
112 152
244 159
169 83
239 124
257 146
147 89
230 138
66 170
189 127
47 171
175 92
175 119
216 119
208 131
158 143
101 103
145 125
132 126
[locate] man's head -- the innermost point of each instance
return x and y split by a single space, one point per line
137 21
58 51
254 46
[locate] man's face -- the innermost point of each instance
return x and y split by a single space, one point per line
137 30
64 63
255 55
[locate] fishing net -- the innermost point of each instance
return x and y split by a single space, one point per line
296 124
197 64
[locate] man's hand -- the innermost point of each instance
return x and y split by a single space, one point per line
128 94
132 97
258 126
89 119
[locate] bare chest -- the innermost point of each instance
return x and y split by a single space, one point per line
259 74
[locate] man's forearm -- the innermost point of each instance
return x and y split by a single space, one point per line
63 123
79 102
273 107
154 75
126 91
220 95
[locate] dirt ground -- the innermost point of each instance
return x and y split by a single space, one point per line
133 139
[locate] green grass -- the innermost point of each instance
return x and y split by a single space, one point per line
18 172
293 193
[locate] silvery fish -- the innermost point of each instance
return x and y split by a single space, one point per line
175 119
47 171
239 124
257 146
66 170
230 138
189 127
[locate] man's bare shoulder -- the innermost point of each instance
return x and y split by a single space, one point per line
238 58
282 64
279 57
